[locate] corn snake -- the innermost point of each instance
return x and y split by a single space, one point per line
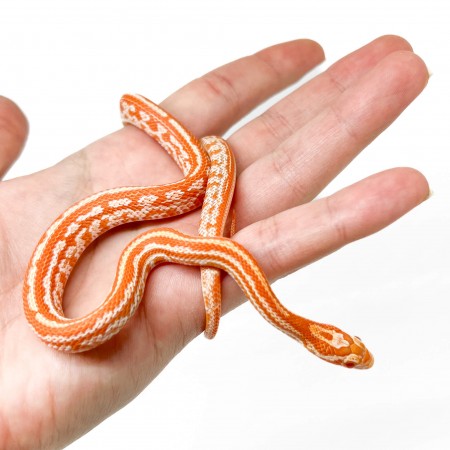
209 178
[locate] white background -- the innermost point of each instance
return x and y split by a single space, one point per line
68 62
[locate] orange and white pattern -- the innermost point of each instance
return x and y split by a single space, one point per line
209 177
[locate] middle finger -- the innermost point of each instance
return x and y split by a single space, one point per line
267 131
304 163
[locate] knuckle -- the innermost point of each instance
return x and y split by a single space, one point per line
286 170
277 124
269 235
336 224
220 86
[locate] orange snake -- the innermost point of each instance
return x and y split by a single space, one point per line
209 177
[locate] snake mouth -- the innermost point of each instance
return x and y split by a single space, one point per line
360 358
367 361
362 362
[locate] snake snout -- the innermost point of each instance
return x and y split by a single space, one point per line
360 357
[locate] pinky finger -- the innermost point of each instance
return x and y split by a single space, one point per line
13 133
298 236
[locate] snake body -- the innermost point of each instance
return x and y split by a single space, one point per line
209 178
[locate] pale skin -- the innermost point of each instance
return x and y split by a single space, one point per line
49 399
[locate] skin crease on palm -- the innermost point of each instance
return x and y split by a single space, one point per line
297 147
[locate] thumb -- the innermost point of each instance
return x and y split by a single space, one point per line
13 133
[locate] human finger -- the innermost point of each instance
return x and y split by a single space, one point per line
296 237
13 133
207 105
302 165
266 132
215 101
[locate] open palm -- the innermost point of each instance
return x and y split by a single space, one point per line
285 157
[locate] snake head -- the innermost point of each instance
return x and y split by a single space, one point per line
337 347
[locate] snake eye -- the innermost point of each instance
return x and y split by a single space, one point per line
349 364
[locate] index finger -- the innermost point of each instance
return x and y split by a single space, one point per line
212 103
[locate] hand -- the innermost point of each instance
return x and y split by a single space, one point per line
285 158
